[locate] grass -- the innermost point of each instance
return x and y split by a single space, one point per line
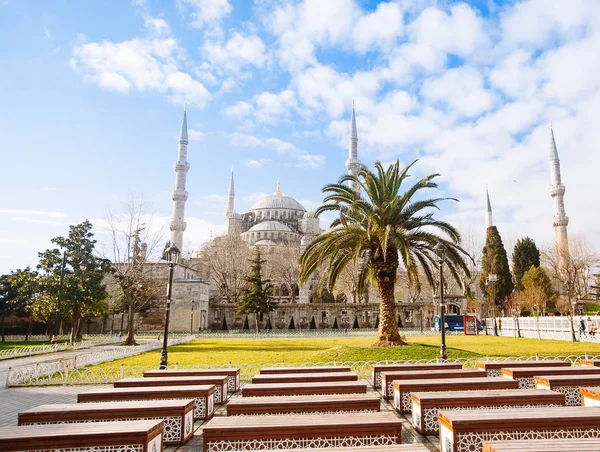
294 350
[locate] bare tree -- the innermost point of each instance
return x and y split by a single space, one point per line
472 242
227 265
283 267
132 240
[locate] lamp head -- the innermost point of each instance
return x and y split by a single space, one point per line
440 250
173 254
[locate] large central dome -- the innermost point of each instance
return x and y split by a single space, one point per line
277 202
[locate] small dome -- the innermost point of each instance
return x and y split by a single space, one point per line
309 214
265 242
234 216
277 202
270 226
306 239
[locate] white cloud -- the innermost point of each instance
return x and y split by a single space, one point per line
47 33
157 25
204 12
462 90
260 163
380 29
245 140
144 64
237 52
195 135
240 110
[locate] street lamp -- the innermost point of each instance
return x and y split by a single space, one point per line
491 279
440 250
172 259
192 319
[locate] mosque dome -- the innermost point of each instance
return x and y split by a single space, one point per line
265 242
234 216
269 226
277 202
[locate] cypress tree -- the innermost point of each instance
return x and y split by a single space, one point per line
292 325
246 324
525 255
224 324
335 324
355 326
313 324
256 296
495 261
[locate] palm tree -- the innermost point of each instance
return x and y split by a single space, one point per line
375 231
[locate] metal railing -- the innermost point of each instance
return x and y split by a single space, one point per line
73 370
19 352
41 375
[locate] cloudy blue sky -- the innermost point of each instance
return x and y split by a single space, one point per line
92 93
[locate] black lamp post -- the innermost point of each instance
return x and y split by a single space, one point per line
172 259
440 250
192 319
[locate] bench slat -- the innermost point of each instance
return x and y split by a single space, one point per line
303 404
297 370
387 388
546 445
36 437
378 368
232 372
327 387
304 377
394 448
220 382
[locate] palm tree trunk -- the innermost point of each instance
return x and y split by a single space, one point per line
385 274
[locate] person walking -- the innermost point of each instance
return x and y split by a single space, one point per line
581 327
500 326
53 341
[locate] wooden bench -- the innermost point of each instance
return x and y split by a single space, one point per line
569 385
462 431
590 362
203 395
493 368
425 405
233 373
178 415
314 388
590 396
139 436
298 431
378 368
404 388
546 445
220 382
387 377
525 375
303 404
304 377
310 370
415 447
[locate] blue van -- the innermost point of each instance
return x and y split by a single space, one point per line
455 322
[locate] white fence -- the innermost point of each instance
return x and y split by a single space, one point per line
59 371
542 327
34 376
19 352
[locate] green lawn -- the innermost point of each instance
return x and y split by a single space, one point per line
295 350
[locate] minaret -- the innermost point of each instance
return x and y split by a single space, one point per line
353 164
180 196
488 213
557 192
230 196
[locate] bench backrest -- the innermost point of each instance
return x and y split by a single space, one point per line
142 393
297 370
486 365
528 372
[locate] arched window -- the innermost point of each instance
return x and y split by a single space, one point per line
276 214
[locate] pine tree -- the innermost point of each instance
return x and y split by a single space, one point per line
494 261
256 296
537 289
525 255
246 324
224 324
313 324
292 325
335 324
355 325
